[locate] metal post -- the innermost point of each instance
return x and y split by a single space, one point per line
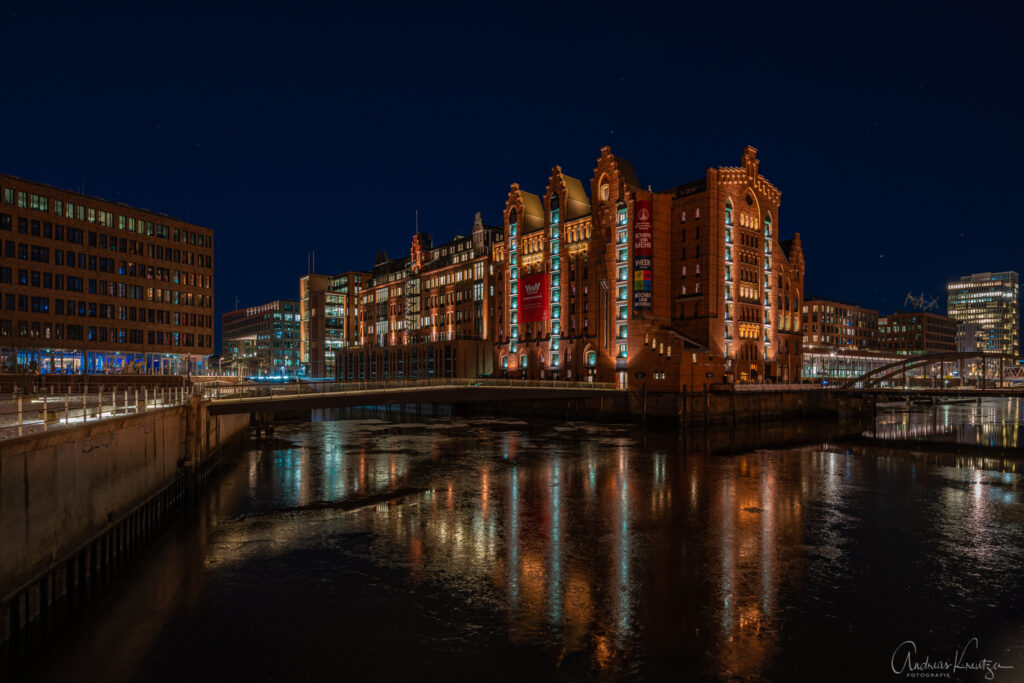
67 396
20 417
99 401
85 404
136 400
45 401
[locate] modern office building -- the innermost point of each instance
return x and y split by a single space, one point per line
97 286
916 333
261 340
988 300
428 314
836 324
970 338
329 310
665 289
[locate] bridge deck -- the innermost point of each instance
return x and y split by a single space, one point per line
308 397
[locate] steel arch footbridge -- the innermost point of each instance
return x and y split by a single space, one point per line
961 369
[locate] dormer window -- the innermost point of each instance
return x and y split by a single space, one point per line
554 210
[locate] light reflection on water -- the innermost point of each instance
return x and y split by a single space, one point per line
992 422
523 549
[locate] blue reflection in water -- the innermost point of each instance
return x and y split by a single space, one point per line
622 541
513 540
555 575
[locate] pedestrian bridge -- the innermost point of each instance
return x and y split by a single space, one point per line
953 370
259 397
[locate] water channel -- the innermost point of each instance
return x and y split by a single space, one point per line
448 548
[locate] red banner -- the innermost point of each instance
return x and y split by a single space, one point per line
643 256
533 298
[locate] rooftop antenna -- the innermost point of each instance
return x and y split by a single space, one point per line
314 261
417 220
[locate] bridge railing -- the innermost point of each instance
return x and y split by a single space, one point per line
264 390
41 411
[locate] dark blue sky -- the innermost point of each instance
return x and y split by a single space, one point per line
894 134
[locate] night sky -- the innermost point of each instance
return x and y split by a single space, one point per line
894 134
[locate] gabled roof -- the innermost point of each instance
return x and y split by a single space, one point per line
578 201
533 210
626 169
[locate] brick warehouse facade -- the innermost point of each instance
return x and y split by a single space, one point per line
428 314
678 288
97 286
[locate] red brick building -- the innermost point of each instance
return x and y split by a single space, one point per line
839 325
428 314
684 287
916 333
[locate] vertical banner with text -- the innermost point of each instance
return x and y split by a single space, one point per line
643 256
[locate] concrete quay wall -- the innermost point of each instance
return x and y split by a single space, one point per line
77 487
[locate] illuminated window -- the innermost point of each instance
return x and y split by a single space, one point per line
554 210
605 190
621 217
728 212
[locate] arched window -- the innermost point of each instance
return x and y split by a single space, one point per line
604 190
522 361
621 214
554 209
767 225
728 212
591 358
